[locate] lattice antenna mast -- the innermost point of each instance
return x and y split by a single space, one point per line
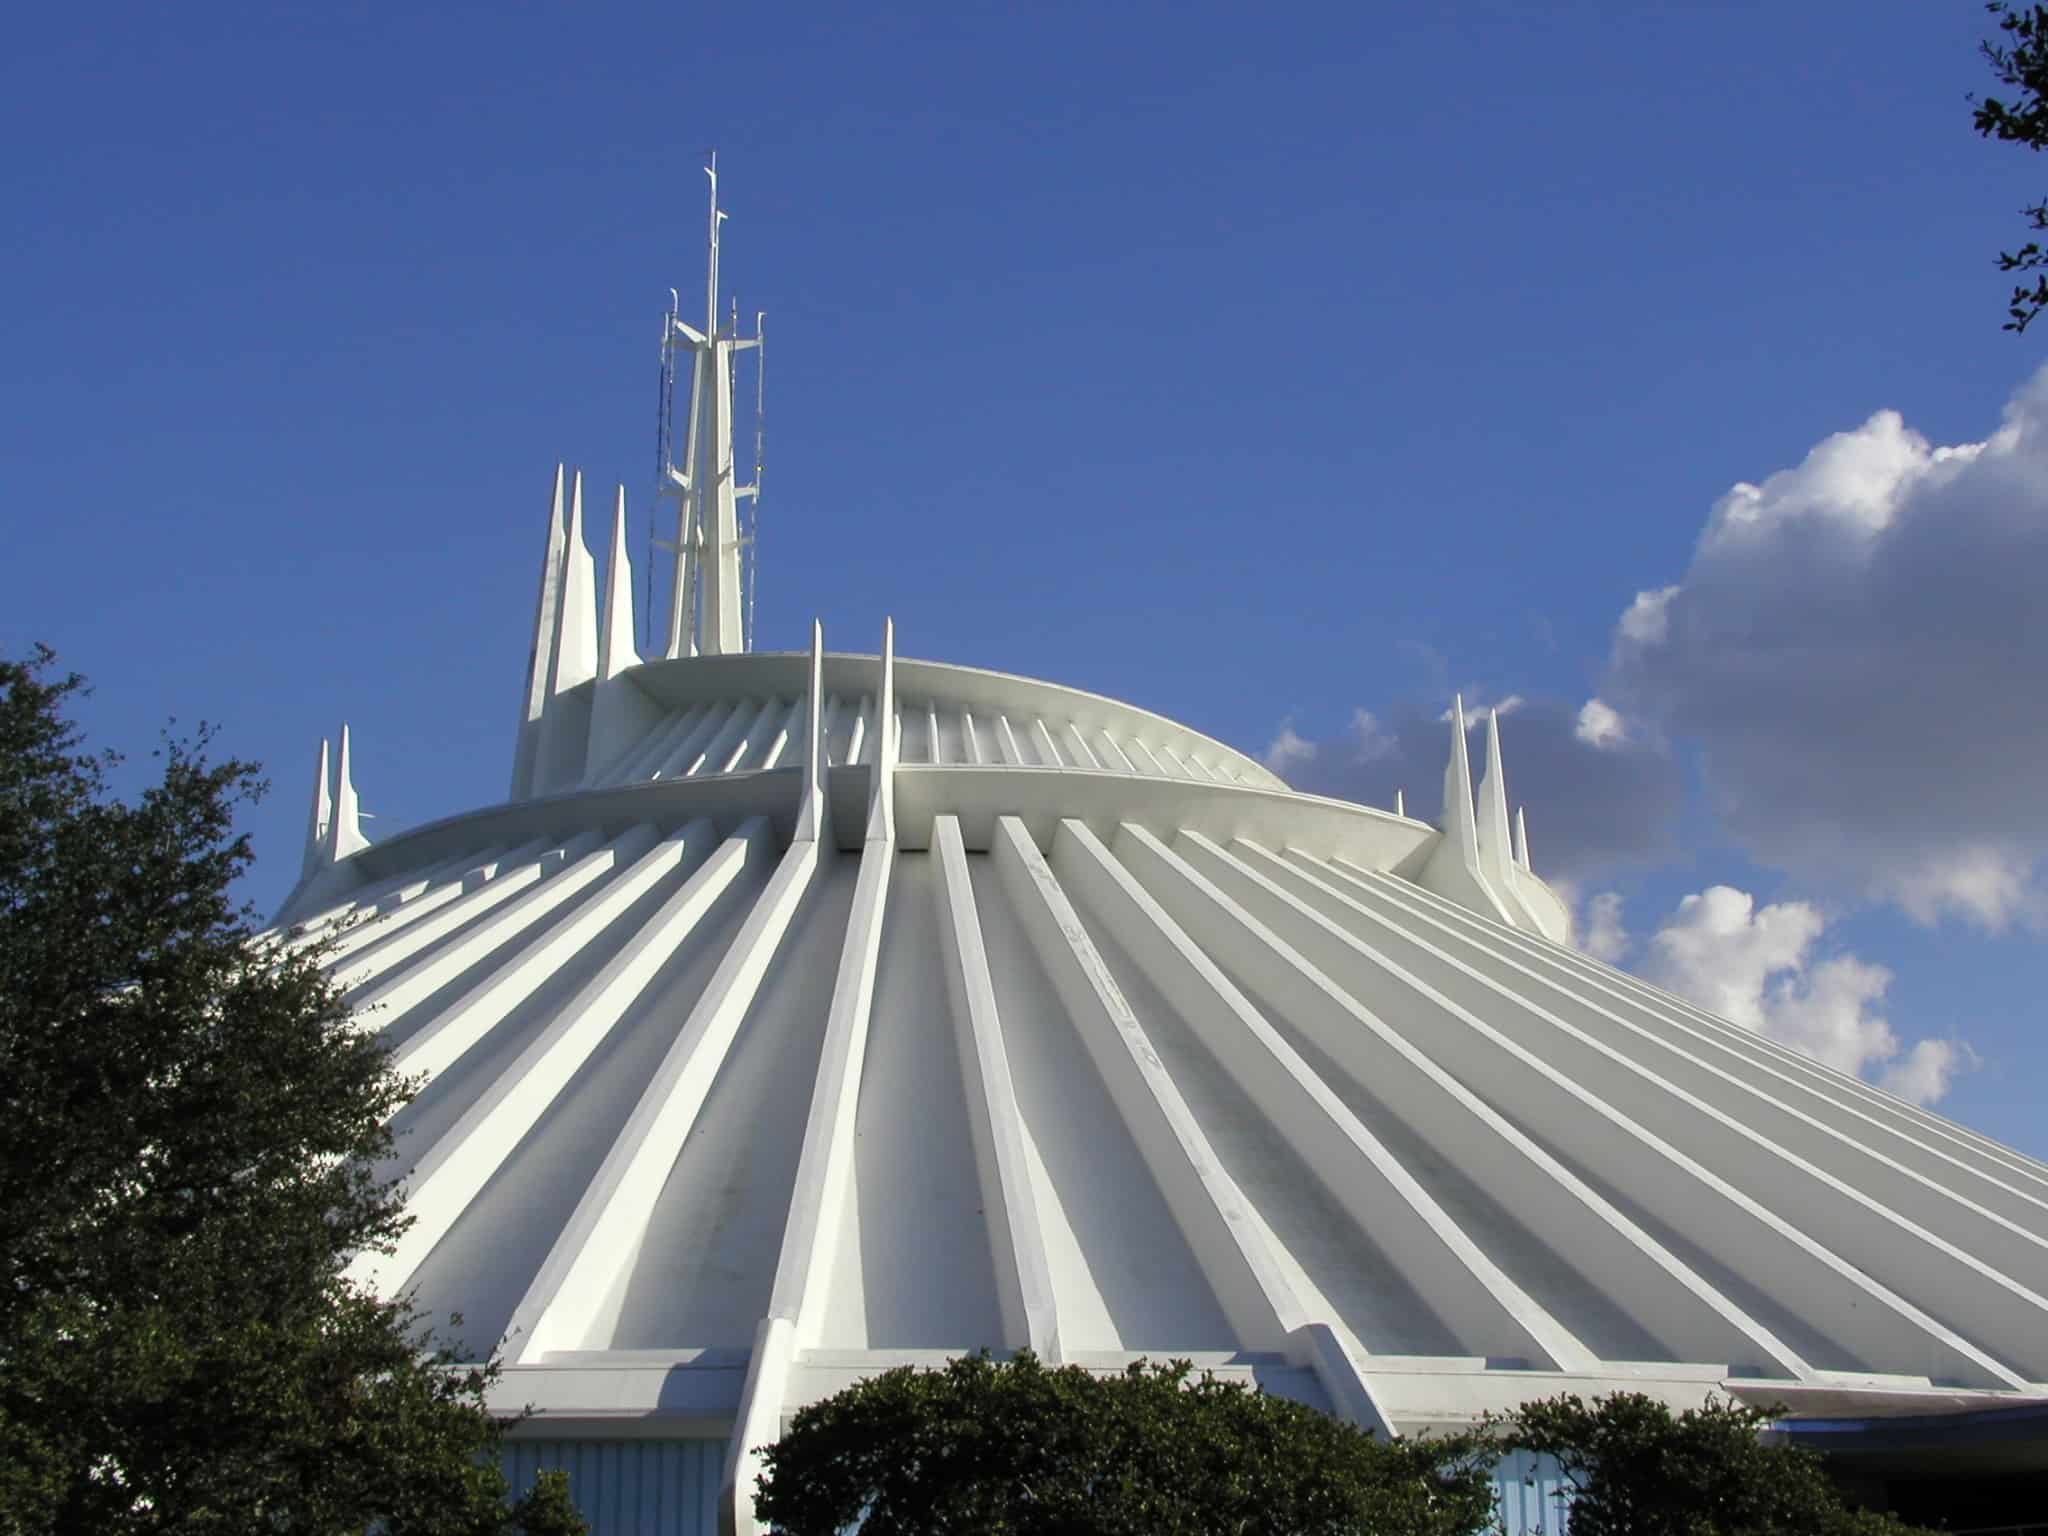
706 613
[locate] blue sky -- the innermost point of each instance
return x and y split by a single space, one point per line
1261 366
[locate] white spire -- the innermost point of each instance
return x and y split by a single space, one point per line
540 660
1400 805
316 823
620 714
707 607
1496 840
1459 831
1454 868
574 658
615 650
1521 838
344 830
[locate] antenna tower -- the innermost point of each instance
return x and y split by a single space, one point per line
711 611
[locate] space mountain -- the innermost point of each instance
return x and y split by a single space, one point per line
801 1014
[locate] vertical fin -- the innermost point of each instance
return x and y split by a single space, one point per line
1400 805
882 793
564 731
575 647
1496 836
621 716
316 823
1460 830
1496 851
615 650
1522 838
540 660
345 830
1454 869
810 815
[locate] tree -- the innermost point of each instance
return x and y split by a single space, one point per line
1018 1448
187 1130
2019 58
1634 1468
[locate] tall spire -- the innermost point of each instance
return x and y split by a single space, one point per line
706 612
1496 832
316 823
540 661
344 830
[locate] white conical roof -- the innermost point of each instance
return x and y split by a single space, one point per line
1102 1042
802 1015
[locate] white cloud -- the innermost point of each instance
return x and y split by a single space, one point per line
1288 751
1924 1073
1477 705
1600 724
1601 932
1370 740
1644 621
1756 968
1844 650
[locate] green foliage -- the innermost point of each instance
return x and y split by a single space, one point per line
187 1129
1638 1469
1016 1448
2019 58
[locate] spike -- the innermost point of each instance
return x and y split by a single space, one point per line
1400 806
345 831
1459 828
1521 838
888 738
810 816
1453 868
316 823
575 647
540 661
615 650
620 714
1496 852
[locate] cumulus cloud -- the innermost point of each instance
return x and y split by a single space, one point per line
1590 809
1288 751
1601 933
1477 705
1924 1073
1370 740
1756 967
1844 650
1600 724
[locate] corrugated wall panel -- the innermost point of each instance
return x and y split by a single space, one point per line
1529 1487
629 1487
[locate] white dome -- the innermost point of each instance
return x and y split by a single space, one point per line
765 1048
743 1083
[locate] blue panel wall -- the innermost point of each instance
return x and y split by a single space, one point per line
1529 1486
670 1487
629 1487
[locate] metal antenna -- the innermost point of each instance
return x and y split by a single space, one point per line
710 608
760 458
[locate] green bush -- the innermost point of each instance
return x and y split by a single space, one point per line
1018 1448
1635 1468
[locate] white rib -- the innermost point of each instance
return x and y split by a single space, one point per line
1206 1204
456 1168
442 1040
487 886
1023 1272
1869 1319
1488 1312
613 1214
1642 1278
